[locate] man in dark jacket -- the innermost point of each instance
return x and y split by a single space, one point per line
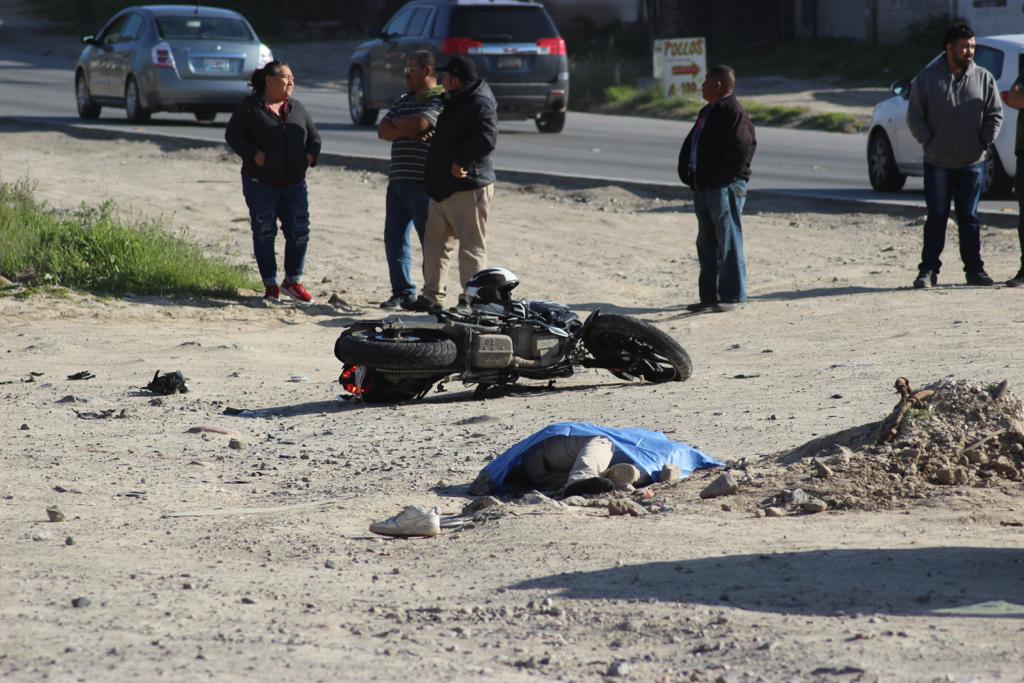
715 163
955 113
459 178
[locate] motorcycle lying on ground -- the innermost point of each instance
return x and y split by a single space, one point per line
495 341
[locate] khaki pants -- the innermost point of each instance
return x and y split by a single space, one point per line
460 218
559 461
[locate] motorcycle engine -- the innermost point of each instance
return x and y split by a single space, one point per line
521 345
535 345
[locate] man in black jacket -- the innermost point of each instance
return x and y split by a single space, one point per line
459 178
715 163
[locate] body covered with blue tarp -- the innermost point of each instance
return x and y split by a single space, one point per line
649 451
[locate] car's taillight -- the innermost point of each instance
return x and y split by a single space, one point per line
266 56
163 58
460 46
552 46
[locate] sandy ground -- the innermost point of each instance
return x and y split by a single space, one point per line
928 589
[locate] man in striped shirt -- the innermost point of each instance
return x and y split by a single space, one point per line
408 125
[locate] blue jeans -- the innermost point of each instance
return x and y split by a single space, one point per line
406 207
963 186
267 205
723 271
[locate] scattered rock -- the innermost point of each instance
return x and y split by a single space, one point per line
54 513
236 444
821 470
537 498
1004 467
945 476
625 506
247 601
620 667
70 540
71 398
724 485
205 429
814 505
795 497
669 473
481 503
338 303
774 512
726 507
576 501
329 564
23 427
42 536
78 603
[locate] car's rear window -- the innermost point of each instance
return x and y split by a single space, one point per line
503 24
203 28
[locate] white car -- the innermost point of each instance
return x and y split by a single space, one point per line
894 154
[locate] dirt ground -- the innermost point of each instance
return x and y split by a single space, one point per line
276 576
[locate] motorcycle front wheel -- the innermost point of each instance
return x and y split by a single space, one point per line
414 349
630 348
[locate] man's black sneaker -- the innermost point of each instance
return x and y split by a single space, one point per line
926 279
590 487
420 305
699 307
726 306
397 301
1018 279
979 279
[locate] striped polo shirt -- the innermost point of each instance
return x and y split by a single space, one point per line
409 157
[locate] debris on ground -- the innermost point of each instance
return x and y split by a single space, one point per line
55 514
412 521
84 374
168 384
724 485
953 433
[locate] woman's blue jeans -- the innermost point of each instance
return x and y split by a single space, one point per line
268 205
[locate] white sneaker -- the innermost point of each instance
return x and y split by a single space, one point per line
412 521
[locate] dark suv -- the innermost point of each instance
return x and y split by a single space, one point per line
515 45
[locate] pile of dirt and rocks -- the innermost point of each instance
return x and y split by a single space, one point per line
958 434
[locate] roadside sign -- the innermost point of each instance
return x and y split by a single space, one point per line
681 64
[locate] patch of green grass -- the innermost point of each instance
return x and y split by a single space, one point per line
98 250
834 122
773 114
630 100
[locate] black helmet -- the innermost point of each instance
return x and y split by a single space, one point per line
491 286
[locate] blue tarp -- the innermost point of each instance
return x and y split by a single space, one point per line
648 450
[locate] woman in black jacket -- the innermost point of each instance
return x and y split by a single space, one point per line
277 141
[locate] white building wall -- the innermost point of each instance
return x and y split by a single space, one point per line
989 18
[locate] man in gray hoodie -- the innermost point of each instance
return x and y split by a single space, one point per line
955 113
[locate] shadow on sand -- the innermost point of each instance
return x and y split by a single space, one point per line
959 581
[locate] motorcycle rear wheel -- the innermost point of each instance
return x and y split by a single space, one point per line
375 347
628 347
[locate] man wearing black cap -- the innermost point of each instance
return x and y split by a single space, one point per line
459 179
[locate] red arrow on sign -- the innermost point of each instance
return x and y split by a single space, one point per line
690 69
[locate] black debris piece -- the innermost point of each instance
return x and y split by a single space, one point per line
168 384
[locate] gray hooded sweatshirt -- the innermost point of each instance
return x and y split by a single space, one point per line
954 119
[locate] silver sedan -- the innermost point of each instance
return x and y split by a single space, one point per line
168 58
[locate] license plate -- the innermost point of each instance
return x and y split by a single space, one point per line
510 62
217 64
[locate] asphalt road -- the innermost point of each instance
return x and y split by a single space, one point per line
617 148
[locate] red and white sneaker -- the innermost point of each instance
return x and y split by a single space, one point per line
296 291
273 293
